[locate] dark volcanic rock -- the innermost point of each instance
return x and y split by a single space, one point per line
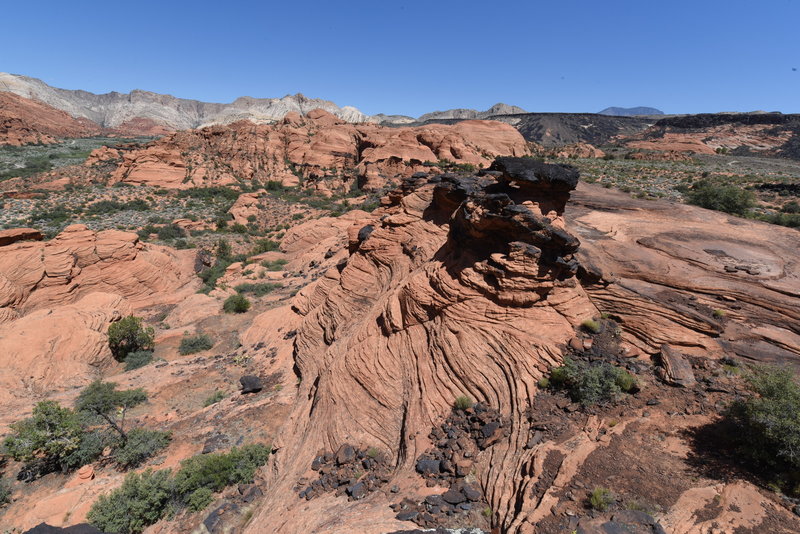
251 384
81 528
530 173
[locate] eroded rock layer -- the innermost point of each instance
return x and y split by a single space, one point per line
465 285
318 149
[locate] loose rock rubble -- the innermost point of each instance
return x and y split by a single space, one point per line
450 463
349 471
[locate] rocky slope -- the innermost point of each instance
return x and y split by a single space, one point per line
763 134
326 153
24 121
474 285
58 297
124 110
460 284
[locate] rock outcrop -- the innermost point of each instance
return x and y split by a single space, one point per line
78 261
322 151
24 121
435 302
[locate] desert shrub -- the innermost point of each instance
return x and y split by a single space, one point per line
258 290
199 499
237 303
137 359
768 422
592 326
104 401
170 231
129 335
214 398
276 265
264 245
111 206
216 471
141 445
194 344
463 402
50 434
141 501
5 492
727 198
90 448
592 383
600 499
238 228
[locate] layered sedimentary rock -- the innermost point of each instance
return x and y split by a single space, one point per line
56 348
320 150
24 121
476 285
36 274
58 297
464 285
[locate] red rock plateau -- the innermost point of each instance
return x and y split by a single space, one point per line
312 148
24 121
459 284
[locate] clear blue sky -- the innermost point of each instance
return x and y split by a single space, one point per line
411 57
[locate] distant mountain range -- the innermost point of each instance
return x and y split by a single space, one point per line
137 109
630 112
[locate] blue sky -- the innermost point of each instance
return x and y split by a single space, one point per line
410 57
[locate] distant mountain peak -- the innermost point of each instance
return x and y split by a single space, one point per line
630 112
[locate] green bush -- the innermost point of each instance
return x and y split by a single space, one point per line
258 290
264 245
727 198
216 471
102 400
463 402
90 448
141 501
592 326
600 499
145 498
214 398
170 231
276 265
137 359
199 499
129 335
237 303
52 433
194 344
768 423
141 445
588 384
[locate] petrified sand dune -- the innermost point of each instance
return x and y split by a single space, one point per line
665 268
311 147
473 285
58 297
57 348
35 274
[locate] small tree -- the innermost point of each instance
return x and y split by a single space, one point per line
103 400
129 335
237 303
768 423
52 433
